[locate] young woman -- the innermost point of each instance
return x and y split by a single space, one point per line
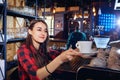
33 57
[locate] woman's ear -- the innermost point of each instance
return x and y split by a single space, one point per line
29 31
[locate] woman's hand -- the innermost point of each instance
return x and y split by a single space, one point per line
68 55
63 57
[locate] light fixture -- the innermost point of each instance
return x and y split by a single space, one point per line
86 14
93 9
99 11
75 16
80 14
94 13
54 10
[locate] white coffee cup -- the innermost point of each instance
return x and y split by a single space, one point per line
84 46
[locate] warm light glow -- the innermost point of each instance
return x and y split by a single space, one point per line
71 22
57 25
84 21
94 14
54 10
80 16
93 9
75 16
86 15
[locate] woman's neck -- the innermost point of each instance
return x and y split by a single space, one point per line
36 44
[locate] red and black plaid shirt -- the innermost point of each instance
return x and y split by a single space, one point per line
26 63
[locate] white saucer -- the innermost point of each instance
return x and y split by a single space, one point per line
89 54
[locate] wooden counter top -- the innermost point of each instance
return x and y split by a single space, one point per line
57 40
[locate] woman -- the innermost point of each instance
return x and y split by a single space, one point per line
33 57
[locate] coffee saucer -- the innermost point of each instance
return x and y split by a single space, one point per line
90 53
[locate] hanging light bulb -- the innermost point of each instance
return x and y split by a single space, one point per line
80 15
94 13
75 16
54 10
99 11
93 9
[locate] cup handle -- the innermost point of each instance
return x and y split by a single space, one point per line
77 45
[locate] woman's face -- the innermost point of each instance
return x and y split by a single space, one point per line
39 32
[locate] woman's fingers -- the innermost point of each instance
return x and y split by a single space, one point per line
68 55
71 53
74 52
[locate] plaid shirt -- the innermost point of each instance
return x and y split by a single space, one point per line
27 67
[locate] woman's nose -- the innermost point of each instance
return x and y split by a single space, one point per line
43 33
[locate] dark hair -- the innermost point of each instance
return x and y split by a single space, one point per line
77 27
41 57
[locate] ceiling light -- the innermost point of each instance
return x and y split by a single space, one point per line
94 14
93 9
75 16
53 10
99 11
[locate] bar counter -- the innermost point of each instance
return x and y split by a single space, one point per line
78 69
68 70
58 42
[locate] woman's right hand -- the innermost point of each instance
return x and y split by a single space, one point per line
68 55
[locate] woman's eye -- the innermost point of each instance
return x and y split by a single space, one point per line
38 29
46 31
41 30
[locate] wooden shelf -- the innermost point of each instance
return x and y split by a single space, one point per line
16 14
16 40
6 12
